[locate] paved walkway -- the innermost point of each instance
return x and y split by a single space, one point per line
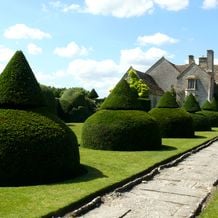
175 192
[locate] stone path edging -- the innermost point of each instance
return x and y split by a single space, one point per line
148 176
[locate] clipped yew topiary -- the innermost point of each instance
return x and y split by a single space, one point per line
174 122
128 130
191 105
18 86
209 109
122 97
117 126
200 121
35 146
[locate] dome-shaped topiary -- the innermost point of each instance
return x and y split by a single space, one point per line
168 100
200 122
191 105
35 148
212 117
122 97
18 85
124 130
174 122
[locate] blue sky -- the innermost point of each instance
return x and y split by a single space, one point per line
91 43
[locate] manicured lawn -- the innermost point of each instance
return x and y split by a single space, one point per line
211 210
105 168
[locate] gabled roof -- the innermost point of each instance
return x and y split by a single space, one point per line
159 62
189 68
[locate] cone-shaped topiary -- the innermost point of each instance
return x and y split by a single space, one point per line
200 121
93 94
207 106
122 130
118 127
214 104
18 85
191 105
122 97
174 122
35 146
168 100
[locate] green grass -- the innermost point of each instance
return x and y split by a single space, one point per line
105 168
211 210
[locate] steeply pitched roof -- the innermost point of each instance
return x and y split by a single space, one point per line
149 81
154 88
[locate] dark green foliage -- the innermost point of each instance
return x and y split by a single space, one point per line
35 147
191 105
145 104
214 104
212 116
207 106
76 106
18 85
125 130
57 92
168 100
122 97
200 122
93 94
50 101
174 122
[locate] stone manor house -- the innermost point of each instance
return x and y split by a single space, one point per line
198 79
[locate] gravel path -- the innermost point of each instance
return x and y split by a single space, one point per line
175 192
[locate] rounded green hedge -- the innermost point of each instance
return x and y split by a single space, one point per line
124 130
35 148
200 122
212 116
174 122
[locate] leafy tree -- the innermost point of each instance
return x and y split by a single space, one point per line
75 105
137 84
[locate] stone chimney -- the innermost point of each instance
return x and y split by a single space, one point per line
210 61
191 59
210 71
203 62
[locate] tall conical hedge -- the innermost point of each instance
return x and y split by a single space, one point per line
35 146
18 85
168 100
122 97
207 106
191 105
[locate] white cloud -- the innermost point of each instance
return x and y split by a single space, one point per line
5 53
156 39
172 5
33 49
65 7
139 59
209 4
22 31
216 61
119 8
71 50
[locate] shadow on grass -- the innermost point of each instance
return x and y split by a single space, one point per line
162 148
199 137
88 173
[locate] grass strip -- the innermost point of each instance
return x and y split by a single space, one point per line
105 168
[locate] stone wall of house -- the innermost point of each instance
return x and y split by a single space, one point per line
202 83
165 75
